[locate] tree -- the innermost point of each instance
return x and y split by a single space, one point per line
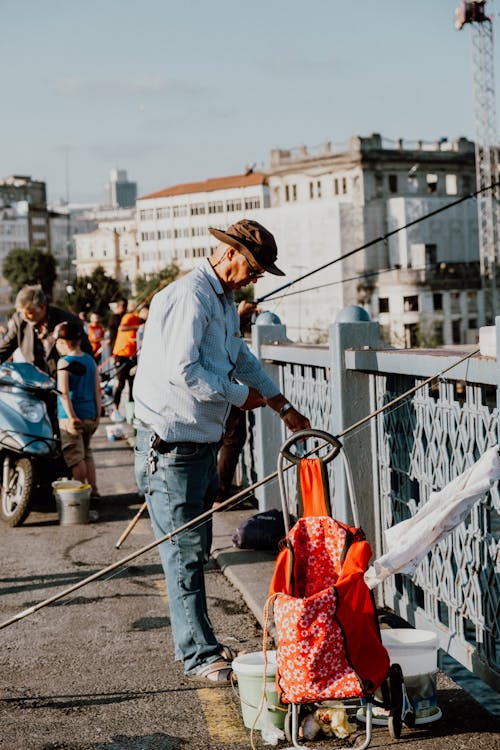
29 266
92 293
147 286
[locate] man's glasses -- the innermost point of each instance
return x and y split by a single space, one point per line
253 273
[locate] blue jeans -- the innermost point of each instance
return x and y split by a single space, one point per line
179 486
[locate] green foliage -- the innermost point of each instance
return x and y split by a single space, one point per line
30 266
147 286
91 293
246 293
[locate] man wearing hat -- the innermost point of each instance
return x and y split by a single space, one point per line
194 366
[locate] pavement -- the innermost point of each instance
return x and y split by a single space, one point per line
464 720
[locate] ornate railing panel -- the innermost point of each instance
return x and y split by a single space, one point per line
422 445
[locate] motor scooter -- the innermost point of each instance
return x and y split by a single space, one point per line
30 448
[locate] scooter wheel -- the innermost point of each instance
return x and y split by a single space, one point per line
15 499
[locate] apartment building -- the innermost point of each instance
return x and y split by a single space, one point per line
172 224
24 223
421 283
112 245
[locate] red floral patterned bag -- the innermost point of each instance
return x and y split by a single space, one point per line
328 641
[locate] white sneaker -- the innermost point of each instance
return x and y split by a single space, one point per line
117 417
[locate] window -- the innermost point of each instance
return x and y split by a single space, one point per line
393 183
437 300
294 192
432 183
252 202
383 304
197 209
451 184
336 186
216 207
455 331
163 213
411 335
179 210
287 193
430 255
410 304
472 323
344 185
234 205
315 188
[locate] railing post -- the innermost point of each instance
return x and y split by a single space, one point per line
268 435
351 402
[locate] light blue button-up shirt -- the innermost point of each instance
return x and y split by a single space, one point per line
191 355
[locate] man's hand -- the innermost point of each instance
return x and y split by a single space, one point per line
293 419
245 311
254 400
296 421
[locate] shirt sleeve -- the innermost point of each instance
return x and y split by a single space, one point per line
250 371
189 317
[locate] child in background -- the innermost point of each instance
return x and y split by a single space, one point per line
78 407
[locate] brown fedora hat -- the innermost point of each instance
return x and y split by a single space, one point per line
251 237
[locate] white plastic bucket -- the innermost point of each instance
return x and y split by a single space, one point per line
72 501
249 670
414 650
416 653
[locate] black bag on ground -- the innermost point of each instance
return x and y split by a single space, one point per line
261 531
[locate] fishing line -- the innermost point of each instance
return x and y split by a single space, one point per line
225 504
375 241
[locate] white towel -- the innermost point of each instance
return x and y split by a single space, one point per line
408 542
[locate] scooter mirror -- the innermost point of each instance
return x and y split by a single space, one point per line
75 368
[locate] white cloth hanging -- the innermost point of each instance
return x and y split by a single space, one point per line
408 542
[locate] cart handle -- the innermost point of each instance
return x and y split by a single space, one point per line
304 435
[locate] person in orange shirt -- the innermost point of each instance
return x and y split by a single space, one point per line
125 359
96 334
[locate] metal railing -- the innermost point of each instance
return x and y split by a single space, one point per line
397 460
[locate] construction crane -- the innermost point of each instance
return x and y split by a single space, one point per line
474 14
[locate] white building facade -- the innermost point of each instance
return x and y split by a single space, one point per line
112 245
172 224
422 283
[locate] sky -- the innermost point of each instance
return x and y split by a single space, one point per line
182 90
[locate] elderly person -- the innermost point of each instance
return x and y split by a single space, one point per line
194 366
31 329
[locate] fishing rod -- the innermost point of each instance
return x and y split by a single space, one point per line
223 505
382 238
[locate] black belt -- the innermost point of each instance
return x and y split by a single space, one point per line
161 446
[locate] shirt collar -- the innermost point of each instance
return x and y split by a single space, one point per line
212 277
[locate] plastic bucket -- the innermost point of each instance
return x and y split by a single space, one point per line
416 653
249 670
72 501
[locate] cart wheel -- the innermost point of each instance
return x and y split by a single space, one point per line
394 725
395 720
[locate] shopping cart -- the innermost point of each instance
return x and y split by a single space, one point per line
329 646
